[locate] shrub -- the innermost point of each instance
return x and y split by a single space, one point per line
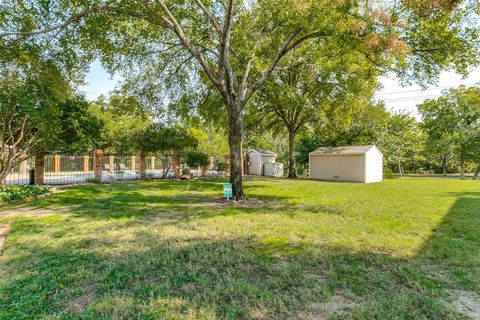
388 174
196 159
185 171
8 193
221 166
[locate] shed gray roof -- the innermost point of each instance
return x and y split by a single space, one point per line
346 150
263 152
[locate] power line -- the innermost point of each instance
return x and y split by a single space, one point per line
411 98
423 90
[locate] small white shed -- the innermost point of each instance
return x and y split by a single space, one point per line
257 158
350 163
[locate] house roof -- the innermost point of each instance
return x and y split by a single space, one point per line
345 150
263 152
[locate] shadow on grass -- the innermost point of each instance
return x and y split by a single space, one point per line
125 200
149 275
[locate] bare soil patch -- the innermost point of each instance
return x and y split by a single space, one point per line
224 203
464 302
4 230
30 212
79 303
337 306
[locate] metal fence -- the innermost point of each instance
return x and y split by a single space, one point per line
21 173
68 169
61 169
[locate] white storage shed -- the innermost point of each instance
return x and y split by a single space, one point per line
350 163
257 158
273 169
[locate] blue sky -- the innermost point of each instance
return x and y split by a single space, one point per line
396 97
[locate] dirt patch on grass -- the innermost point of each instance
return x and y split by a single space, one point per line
30 212
78 304
224 203
4 230
340 306
337 306
464 302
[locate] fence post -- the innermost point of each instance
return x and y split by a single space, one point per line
152 163
111 164
132 167
56 163
24 165
98 164
86 161
176 165
141 166
39 167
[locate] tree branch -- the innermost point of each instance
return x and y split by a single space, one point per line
74 18
210 16
225 47
281 52
181 35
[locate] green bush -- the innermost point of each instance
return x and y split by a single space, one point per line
388 174
196 159
8 193
221 166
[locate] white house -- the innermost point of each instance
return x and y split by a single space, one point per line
350 163
257 158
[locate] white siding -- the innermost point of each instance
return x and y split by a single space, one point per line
268 159
338 167
374 165
255 164
271 169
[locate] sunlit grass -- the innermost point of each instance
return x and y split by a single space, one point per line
172 250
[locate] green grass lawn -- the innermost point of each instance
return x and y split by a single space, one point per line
401 249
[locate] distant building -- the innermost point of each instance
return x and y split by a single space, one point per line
349 163
256 158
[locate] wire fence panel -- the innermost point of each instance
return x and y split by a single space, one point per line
60 169
68 169
157 167
20 174
119 168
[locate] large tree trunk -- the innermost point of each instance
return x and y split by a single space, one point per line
444 166
5 171
462 162
292 165
477 173
235 138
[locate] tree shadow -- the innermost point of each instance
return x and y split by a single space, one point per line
138 269
182 199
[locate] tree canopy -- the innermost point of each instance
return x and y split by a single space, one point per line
167 48
453 124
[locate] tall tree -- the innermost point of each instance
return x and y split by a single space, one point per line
401 140
307 88
455 117
30 98
437 119
234 46
121 118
